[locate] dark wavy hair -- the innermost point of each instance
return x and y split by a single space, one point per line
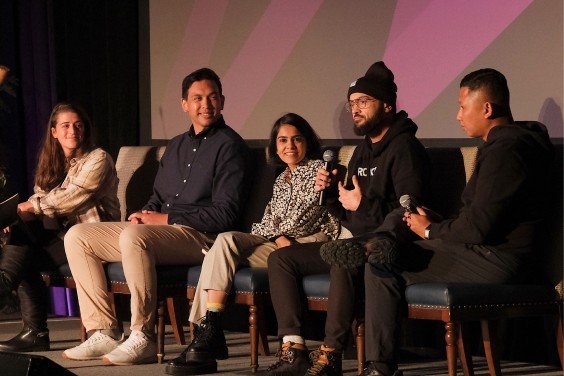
200 75
313 145
52 165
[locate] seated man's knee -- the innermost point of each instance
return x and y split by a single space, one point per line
74 238
378 271
139 241
273 259
225 239
281 257
131 235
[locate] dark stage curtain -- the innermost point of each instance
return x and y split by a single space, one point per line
25 49
61 50
96 49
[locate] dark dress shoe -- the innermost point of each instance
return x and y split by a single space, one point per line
26 341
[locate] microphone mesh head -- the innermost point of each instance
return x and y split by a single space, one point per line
328 155
405 201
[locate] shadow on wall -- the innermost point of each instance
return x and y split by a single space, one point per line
343 123
551 116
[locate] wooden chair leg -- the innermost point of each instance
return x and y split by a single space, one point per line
160 330
360 351
490 348
263 348
451 339
253 333
174 305
464 352
191 325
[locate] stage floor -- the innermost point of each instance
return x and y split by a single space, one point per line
65 333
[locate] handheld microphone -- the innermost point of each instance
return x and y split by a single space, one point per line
328 157
408 203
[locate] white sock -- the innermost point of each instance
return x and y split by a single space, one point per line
294 339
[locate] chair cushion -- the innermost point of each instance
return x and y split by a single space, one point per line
466 294
58 275
166 274
251 280
246 280
316 286
193 275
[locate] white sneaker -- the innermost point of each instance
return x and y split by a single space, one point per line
137 349
95 347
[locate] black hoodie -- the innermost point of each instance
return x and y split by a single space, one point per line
504 200
386 170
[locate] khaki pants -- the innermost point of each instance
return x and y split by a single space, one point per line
228 251
140 248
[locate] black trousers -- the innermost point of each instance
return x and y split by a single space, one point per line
28 253
422 261
286 268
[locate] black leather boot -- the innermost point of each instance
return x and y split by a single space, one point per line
5 291
201 354
34 335
27 340
13 264
33 301
15 260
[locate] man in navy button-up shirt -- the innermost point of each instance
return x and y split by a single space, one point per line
199 190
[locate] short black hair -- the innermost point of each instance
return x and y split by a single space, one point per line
200 75
313 144
493 83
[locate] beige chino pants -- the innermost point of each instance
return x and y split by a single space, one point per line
140 248
228 251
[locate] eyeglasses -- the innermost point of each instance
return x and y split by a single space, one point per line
361 102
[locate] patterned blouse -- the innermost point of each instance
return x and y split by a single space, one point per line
88 193
293 210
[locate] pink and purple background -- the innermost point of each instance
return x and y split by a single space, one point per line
300 56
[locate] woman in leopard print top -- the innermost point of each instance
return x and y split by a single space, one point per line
292 212
292 215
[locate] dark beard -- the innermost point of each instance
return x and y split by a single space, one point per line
373 126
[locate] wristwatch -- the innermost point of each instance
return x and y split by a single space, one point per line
427 232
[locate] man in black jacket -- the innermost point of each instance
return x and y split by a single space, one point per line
388 163
490 241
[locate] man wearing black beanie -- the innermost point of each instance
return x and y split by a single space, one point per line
388 163
494 237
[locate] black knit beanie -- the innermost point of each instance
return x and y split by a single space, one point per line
378 82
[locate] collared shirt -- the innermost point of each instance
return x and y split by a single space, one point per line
202 181
293 209
88 193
